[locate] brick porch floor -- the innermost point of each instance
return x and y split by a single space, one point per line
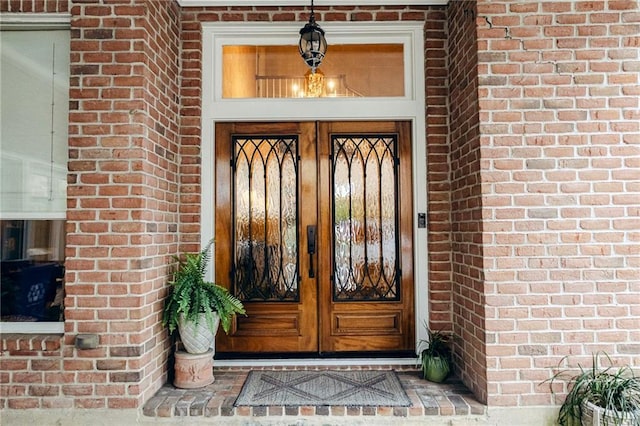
215 401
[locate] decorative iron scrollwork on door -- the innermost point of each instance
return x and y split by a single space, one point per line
365 218
265 218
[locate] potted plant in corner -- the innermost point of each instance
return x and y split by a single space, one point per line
600 396
435 357
195 308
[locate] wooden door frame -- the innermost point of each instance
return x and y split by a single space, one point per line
411 108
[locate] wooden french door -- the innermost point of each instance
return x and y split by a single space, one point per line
314 234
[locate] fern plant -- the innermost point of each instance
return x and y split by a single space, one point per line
190 295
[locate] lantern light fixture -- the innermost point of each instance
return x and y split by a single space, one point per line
312 45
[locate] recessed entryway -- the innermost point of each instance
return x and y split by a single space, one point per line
312 314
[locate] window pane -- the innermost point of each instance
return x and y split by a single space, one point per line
34 106
348 70
266 218
32 269
365 252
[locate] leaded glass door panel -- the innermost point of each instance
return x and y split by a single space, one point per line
265 197
367 297
311 236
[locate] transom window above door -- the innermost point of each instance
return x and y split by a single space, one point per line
348 70
368 71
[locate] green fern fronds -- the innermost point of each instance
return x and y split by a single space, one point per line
190 295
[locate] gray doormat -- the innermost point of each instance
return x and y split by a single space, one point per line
370 388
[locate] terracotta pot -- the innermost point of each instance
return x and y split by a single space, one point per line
193 370
200 338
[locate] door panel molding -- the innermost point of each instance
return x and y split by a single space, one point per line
367 323
275 323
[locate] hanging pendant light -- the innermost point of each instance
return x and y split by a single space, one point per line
312 45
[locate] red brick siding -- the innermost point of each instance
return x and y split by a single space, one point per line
163 180
134 190
533 218
124 170
438 190
466 199
122 212
34 6
560 155
31 373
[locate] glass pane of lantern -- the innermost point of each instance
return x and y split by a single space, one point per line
349 70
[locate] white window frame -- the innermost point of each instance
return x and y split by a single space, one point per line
409 107
34 22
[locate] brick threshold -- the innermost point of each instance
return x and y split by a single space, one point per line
451 398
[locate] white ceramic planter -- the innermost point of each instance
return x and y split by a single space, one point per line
198 339
592 415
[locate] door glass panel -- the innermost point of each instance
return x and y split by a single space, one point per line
266 218
348 70
365 218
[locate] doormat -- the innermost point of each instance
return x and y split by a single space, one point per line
370 388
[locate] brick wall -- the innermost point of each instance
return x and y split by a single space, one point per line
134 187
466 200
559 86
122 213
31 373
438 180
123 193
34 6
533 211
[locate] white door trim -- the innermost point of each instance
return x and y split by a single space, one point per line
410 107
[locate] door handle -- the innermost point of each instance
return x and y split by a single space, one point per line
311 248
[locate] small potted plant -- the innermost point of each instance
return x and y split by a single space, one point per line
435 357
600 396
195 307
